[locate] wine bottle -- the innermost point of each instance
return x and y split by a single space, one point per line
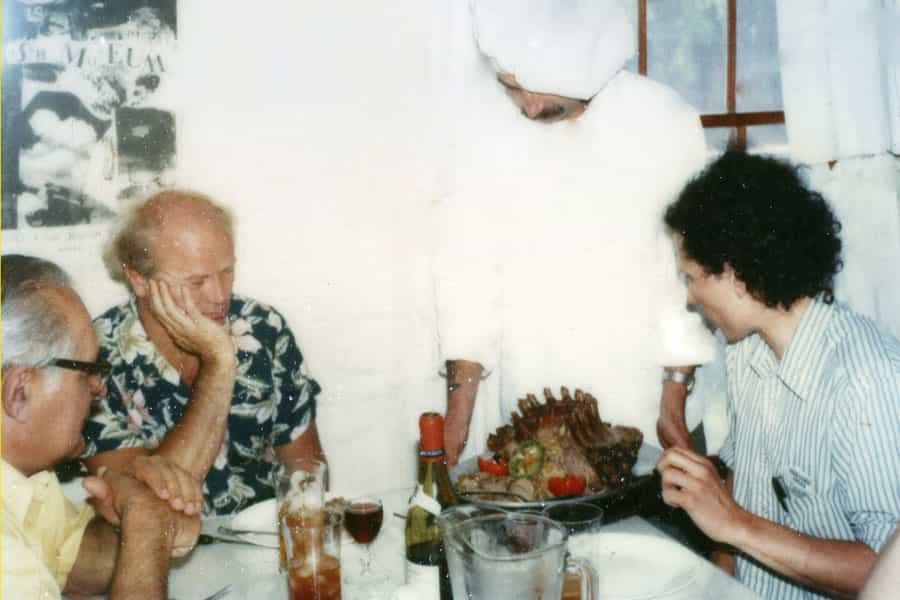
426 565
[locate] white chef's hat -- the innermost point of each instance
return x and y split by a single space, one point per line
565 47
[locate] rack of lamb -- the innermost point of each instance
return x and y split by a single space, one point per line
559 447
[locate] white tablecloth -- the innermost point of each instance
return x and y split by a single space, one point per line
253 572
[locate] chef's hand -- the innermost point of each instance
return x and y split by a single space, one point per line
462 387
456 432
691 482
671 427
190 329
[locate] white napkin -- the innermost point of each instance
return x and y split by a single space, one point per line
622 561
259 517
262 516
418 590
408 592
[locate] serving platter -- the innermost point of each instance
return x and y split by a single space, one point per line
646 461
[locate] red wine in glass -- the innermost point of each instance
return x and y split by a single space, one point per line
363 519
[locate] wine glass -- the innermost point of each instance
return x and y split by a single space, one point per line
363 517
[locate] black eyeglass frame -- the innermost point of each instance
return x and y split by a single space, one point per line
94 368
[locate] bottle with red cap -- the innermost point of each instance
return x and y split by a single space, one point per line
426 565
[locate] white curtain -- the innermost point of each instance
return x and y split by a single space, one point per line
840 70
840 75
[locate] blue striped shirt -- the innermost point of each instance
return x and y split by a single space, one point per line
825 421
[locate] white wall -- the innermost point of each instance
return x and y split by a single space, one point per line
865 198
312 129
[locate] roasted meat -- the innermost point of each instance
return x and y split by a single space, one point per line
575 439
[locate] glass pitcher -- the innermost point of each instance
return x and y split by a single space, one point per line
496 554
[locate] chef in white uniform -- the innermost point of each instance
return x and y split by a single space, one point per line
551 264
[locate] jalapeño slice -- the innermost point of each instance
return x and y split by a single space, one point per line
527 460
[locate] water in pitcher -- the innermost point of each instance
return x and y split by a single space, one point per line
505 556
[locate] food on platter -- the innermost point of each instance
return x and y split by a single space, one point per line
552 449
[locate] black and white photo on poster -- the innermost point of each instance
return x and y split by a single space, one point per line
87 118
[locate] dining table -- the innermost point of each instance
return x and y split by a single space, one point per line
634 560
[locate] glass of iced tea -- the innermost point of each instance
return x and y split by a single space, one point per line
299 490
312 545
309 531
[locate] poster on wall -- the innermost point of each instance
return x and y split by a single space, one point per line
87 124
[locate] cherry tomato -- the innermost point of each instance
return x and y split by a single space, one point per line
496 467
570 485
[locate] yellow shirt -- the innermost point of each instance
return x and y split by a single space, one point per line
42 532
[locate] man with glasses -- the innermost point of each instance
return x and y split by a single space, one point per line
213 381
50 379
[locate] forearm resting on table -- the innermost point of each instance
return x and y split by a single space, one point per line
93 569
144 550
837 567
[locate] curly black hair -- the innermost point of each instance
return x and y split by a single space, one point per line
755 214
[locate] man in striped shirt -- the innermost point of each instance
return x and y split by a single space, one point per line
814 388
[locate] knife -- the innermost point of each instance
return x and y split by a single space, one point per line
206 538
229 531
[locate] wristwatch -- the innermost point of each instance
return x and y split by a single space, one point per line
685 379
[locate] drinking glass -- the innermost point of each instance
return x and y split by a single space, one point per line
577 516
309 537
314 563
363 517
300 492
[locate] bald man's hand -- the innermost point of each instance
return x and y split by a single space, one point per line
190 329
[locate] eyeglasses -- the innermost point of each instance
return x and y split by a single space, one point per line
94 368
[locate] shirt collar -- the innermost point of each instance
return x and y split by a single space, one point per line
762 359
132 341
137 328
19 490
804 358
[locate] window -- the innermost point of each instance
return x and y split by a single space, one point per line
722 57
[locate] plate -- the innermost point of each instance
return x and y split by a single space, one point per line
261 516
646 461
623 560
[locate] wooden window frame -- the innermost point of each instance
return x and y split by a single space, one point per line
737 121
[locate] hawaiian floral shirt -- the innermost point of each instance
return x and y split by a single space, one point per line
274 399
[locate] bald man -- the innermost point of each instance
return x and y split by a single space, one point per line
211 380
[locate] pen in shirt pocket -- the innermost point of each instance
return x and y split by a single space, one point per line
780 493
